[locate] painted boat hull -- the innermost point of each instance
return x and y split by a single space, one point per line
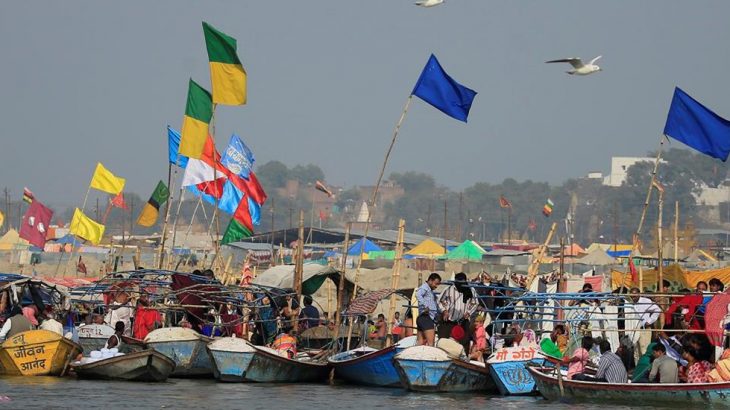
144 366
644 393
37 353
370 369
453 376
266 367
512 378
230 366
190 356
93 337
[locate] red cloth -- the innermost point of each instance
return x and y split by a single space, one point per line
691 302
596 282
35 224
144 321
697 373
714 314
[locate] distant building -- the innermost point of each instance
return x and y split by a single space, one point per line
619 168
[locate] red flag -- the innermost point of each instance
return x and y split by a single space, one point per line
118 201
250 187
632 268
35 224
504 203
532 225
322 216
243 215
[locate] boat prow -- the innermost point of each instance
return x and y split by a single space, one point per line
429 369
145 366
186 347
230 357
646 393
267 366
37 353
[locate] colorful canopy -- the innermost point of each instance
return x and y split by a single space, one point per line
354 249
427 248
469 250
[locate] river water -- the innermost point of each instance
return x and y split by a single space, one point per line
68 393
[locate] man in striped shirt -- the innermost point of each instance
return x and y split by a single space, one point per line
610 367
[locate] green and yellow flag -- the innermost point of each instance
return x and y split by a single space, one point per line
151 210
198 113
85 227
104 180
227 76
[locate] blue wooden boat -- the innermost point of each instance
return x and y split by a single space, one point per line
429 369
185 347
236 360
713 394
367 366
231 357
507 367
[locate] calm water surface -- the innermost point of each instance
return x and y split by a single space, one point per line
69 393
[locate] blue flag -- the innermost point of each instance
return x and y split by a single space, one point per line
237 157
438 89
228 201
173 143
694 124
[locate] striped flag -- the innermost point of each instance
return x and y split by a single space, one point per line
547 209
321 187
151 210
27 195
227 76
504 203
198 113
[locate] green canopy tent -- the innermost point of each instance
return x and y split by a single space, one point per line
469 250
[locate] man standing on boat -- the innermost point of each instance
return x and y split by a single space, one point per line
427 310
648 313
457 302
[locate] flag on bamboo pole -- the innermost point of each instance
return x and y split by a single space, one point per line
173 145
27 195
104 180
206 171
504 203
35 224
118 201
241 225
697 126
198 113
237 157
86 228
435 87
547 209
227 76
321 187
151 209
658 185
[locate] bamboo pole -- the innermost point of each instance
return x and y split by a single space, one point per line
299 266
676 235
660 249
341 287
174 226
532 271
167 216
394 280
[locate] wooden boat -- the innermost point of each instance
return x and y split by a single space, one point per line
37 353
93 337
236 360
186 348
429 369
630 393
368 366
144 366
507 369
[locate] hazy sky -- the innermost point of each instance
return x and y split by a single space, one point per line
88 81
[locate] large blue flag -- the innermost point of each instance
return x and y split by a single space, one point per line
228 201
694 124
237 157
438 89
173 144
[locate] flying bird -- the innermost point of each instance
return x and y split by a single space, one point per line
428 3
578 67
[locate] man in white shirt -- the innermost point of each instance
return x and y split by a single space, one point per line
51 324
647 313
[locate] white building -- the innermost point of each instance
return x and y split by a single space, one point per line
619 167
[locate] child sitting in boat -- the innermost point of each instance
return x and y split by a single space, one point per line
479 348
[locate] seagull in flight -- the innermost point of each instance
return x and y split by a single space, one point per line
579 68
428 3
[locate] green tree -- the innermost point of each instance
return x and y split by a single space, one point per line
273 174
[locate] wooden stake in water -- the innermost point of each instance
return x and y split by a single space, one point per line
394 280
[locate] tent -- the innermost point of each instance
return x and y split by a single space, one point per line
469 250
12 240
354 250
597 257
68 238
573 250
282 276
427 248
699 256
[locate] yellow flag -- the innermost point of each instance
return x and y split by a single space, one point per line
104 180
85 227
2 218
